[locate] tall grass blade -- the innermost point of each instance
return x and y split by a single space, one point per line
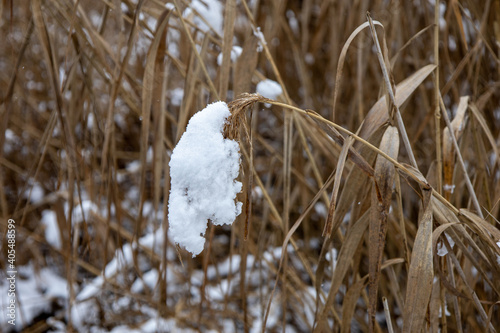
458 125
419 285
384 178
379 115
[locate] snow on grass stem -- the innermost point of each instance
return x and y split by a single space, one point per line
203 169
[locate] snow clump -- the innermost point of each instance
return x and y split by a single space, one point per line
203 168
269 89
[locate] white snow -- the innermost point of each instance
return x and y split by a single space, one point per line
292 21
235 54
498 257
91 290
10 138
262 40
176 96
34 294
309 58
149 279
81 212
257 193
321 209
203 168
449 188
35 193
123 258
269 88
441 249
52 234
331 257
134 166
211 11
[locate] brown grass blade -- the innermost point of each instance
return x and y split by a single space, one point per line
339 139
189 98
245 65
437 110
327 231
489 233
465 242
458 125
349 304
384 178
378 114
392 106
227 46
358 183
487 131
294 228
340 66
148 91
419 285
159 104
347 251
468 182
458 16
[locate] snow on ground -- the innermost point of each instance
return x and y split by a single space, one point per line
97 300
35 294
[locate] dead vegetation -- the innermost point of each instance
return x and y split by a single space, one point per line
372 183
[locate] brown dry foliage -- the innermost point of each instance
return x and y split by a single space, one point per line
90 111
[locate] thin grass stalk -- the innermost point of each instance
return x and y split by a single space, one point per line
437 114
41 149
327 231
312 160
287 166
442 302
387 313
469 289
400 124
340 66
401 219
468 183
456 308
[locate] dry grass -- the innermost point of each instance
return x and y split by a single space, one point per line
384 139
